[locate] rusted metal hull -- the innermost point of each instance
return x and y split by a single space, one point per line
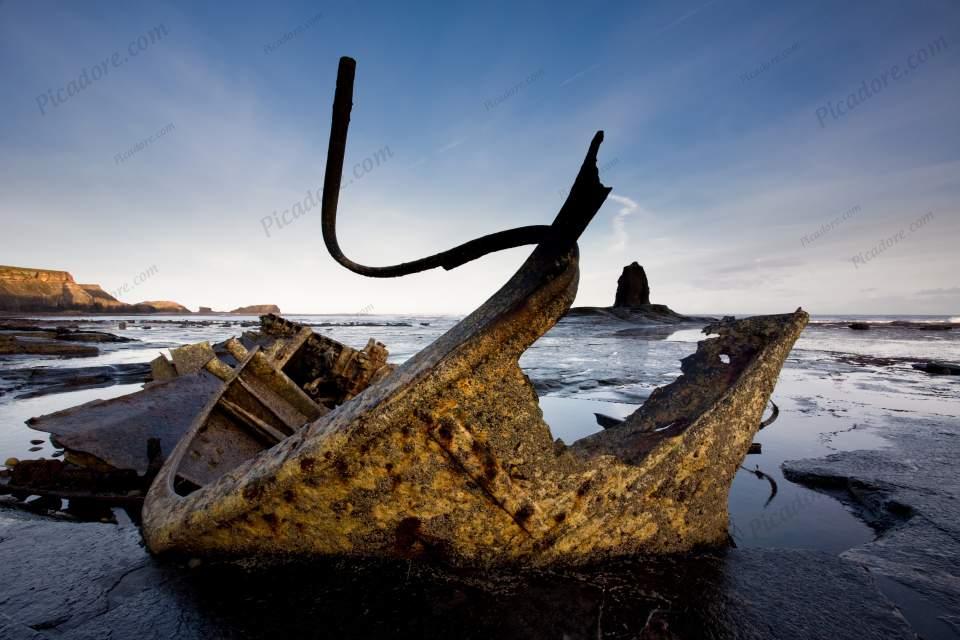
449 457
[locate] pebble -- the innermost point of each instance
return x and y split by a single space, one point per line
11 462
36 442
35 448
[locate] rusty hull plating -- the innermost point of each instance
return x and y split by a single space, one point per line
448 456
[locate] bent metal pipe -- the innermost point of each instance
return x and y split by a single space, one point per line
452 258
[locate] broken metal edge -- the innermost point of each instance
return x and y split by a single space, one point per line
542 288
235 514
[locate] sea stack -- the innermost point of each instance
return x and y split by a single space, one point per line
632 303
633 289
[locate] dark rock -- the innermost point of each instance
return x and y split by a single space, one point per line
45 503
927 326
47 339
10 345
75 335
40 381
633 289
632 304
910 493
859 326
939 368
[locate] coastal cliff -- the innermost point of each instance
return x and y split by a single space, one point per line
24 289
258 309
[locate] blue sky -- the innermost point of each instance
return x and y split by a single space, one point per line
722 148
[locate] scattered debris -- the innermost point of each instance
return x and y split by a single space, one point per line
607 422
763 476
773 416
254 391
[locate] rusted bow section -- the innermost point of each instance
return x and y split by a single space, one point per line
448 456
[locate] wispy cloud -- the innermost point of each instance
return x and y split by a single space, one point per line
579 74
760 264
686 16
952 291
620 236
452 145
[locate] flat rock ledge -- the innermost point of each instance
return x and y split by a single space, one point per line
910 494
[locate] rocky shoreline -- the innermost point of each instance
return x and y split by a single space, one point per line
113 584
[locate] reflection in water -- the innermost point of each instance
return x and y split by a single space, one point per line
352 599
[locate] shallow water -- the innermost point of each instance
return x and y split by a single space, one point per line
832 391
829 397
585 366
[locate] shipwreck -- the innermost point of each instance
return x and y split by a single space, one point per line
289 443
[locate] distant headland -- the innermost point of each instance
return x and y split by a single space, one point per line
28 290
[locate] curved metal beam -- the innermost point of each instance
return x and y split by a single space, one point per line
450 259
